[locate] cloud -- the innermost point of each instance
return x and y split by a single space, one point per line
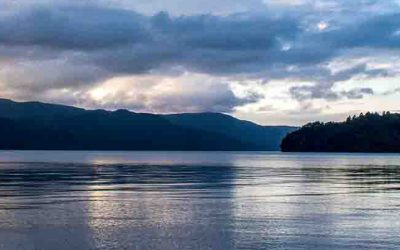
160 94
70 48
195 97
84 28
77 46
185 7
126 42
357 93
31 76
324 83
379 32
72 28
392 91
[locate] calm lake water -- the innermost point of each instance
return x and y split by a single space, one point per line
198 200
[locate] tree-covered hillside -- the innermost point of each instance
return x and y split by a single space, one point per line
35 125
370 132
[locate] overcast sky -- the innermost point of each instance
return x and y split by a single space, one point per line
269 61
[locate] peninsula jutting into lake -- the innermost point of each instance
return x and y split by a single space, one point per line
370 132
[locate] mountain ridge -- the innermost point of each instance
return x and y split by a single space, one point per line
37 125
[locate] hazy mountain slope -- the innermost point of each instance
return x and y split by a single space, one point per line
266 137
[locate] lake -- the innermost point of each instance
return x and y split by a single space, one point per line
198 200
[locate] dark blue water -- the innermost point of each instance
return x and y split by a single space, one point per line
198 200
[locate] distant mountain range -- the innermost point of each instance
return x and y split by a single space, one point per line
41 126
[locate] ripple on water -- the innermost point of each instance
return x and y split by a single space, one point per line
200 200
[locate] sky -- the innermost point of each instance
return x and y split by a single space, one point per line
274 62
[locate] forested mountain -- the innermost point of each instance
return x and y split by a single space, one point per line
370 132
35 125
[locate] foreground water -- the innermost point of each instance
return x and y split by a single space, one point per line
198 200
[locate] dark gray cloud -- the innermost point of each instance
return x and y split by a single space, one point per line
381 31
357 93
77 46
324 82
124 41
72 28
145 42
96 28
73 46
303 93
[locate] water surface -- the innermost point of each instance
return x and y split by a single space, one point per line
198 200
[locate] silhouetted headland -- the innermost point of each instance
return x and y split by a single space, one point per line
370 132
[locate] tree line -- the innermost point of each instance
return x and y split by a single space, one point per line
369 132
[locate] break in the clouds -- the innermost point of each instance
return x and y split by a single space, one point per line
190 56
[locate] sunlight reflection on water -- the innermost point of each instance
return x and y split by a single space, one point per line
198 200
